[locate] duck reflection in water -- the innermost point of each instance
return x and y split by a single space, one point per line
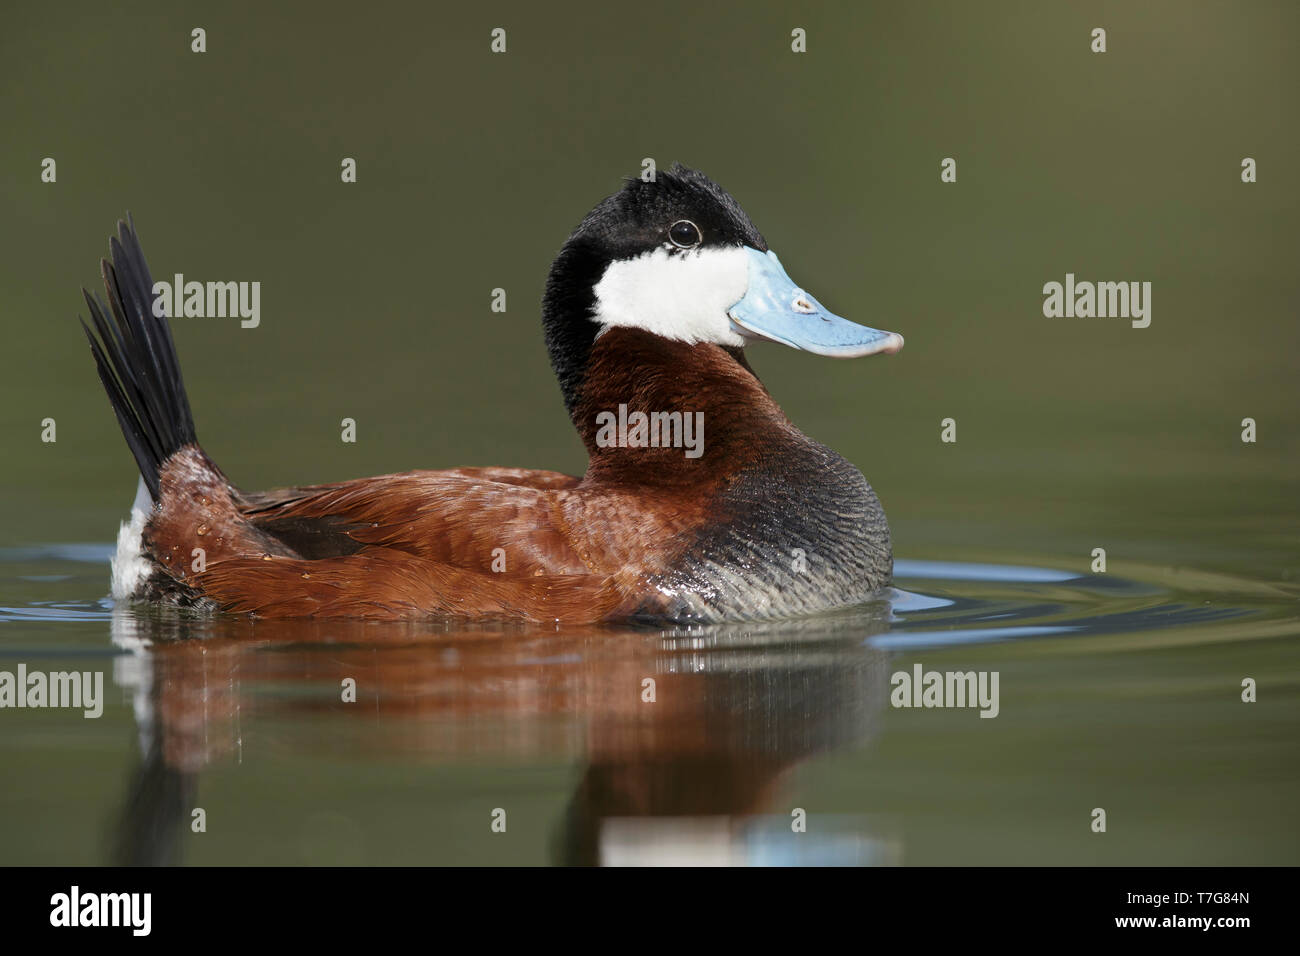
685 735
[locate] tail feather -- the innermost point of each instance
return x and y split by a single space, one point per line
136 359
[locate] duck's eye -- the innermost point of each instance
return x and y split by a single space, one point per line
684 234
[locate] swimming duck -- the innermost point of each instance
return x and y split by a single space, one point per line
701 502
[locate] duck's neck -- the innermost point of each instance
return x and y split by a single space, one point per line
657 412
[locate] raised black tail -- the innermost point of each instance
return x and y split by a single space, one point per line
137 360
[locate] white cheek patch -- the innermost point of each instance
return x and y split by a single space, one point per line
683 296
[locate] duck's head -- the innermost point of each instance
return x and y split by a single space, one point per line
678 258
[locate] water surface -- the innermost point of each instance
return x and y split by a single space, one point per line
1120 692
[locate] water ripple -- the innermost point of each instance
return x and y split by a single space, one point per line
934 604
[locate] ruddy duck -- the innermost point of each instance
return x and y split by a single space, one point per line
701 501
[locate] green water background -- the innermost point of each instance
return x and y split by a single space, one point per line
1073 434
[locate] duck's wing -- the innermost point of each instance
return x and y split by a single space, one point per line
308 536
475 518
472 542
